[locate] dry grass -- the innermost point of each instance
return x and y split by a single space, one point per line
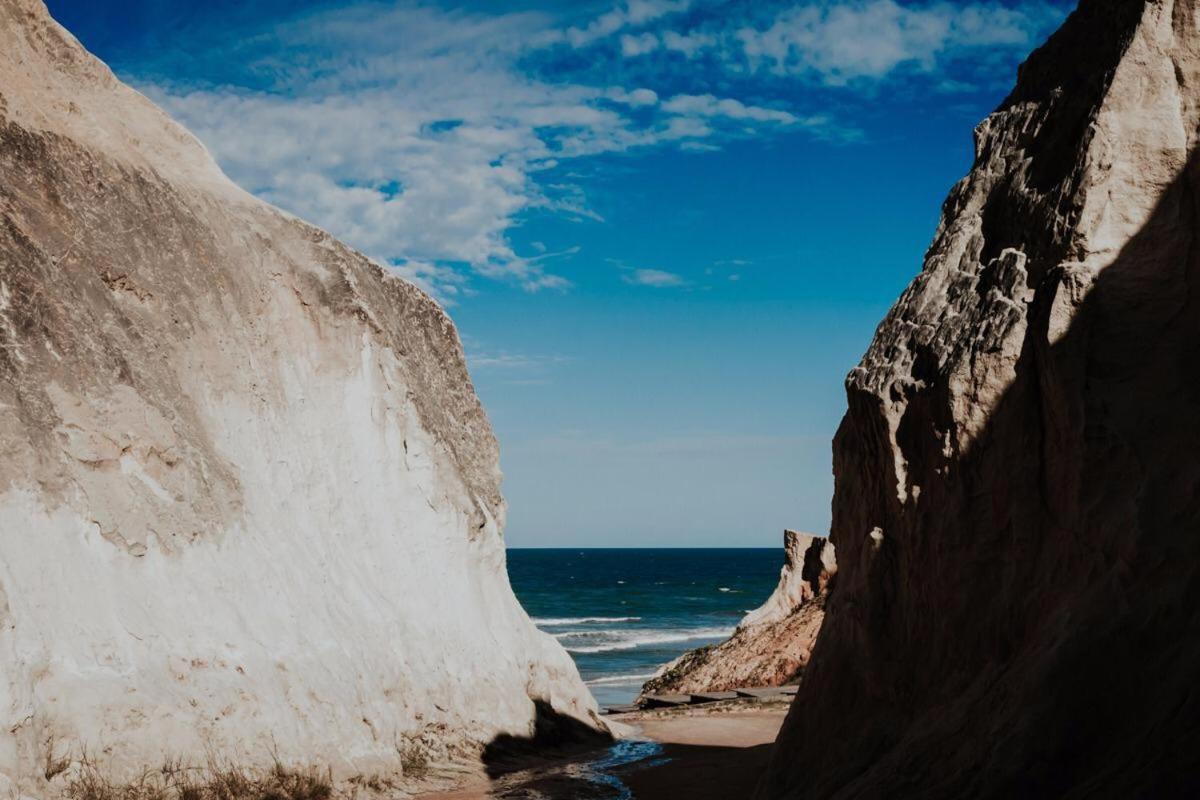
422 756
414 760
377 784
55 765
214 782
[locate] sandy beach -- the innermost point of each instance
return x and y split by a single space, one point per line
716 752
713 752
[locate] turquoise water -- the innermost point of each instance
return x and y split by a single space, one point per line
622 614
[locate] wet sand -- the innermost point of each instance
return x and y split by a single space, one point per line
713 752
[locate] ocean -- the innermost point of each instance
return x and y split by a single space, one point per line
622 614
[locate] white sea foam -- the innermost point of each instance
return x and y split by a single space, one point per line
591 634
581 620
616 680
632 639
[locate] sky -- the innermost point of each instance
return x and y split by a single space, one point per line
666 229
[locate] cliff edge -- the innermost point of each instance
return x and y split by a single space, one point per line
1015 511
249 501
773 643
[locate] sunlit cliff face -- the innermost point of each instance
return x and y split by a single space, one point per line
249 501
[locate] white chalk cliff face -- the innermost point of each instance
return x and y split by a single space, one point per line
249 500
809 564
1017 495
773 643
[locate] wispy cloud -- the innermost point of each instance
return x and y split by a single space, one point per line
423 136
426 155
689 44
441 282
513 361
869 39
660 279
837 42
514 369
640 44
633 13
706 105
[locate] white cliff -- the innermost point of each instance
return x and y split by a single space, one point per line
773 643
249 501
809 563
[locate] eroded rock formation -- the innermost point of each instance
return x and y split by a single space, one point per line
1017 502
772 644
249 501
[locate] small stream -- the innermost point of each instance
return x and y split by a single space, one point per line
589 778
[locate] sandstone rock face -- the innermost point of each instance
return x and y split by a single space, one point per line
249 501
1017 503
772 644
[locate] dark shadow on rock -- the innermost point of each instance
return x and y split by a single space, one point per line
1030 624
555 737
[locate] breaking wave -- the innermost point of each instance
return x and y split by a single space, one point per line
609 680
581 620
633 639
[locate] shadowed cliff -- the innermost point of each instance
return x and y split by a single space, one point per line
1017 502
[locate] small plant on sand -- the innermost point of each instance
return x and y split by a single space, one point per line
377 784
293 784
414 760
55 765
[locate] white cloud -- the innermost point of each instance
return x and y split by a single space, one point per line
514 369
689 44
842 41
638 97
706 105
868 39
657 278
633 45
427 154
633 14
698 147
440 282
335 160
513 361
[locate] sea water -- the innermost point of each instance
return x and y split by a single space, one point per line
622 614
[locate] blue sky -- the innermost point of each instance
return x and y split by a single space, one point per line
666 229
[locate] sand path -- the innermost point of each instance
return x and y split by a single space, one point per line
712 752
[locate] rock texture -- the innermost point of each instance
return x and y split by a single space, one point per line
1017 502
772 644
249 501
